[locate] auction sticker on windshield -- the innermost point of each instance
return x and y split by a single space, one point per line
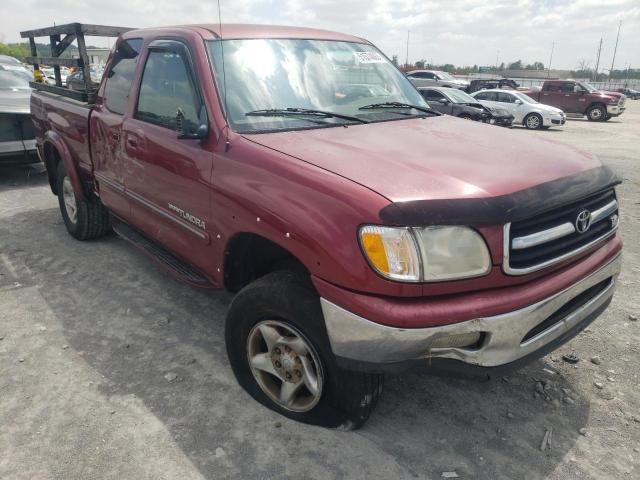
369 57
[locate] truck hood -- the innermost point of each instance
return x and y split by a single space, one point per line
432 158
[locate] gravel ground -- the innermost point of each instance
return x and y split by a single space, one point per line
109 368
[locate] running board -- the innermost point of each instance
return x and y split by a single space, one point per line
177 267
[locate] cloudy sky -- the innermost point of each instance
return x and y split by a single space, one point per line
462 32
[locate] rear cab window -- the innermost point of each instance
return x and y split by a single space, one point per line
120 75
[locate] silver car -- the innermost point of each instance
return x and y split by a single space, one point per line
435 78
17 136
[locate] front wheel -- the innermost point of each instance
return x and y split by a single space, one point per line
533 121
280 354
597 113
607 118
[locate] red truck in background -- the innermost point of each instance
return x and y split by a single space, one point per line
580 98
363 235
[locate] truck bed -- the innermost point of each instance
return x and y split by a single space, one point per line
68 118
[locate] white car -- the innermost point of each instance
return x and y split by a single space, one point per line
527 111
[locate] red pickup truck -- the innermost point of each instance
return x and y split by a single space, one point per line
363 234
580 98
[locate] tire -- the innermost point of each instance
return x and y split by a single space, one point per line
596 113
607 118
465 116
533 121
286 302
90 219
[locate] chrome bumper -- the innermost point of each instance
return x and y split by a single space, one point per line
615 109
355 338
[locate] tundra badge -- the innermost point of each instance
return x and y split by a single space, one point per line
187 216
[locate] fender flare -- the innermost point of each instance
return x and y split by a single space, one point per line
56 142
595 104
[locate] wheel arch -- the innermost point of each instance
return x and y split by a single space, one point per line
595 104
249 256
55 150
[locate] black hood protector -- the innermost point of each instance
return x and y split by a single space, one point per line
512 207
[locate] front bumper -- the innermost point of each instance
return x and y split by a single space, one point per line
364 345
615 110
554 120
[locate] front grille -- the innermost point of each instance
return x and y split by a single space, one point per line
551 237
568 308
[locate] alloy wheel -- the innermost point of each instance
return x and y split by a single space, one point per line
70 204
285 365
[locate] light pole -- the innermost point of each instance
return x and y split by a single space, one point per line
553 45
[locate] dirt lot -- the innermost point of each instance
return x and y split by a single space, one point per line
93 334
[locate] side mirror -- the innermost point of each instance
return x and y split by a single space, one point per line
518 101
443 101
186 130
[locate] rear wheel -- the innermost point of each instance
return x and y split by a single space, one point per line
596 113
465 116
280 354
84 219
607 118
533 121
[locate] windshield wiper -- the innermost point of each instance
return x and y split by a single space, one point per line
284 112
399 105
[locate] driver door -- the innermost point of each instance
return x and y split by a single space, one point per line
169 176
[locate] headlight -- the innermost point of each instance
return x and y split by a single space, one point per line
450 253
426 254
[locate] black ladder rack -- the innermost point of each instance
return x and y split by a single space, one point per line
71 32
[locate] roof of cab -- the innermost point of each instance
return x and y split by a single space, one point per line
239 31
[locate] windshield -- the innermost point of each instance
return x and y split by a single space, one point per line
524 98
458 96
14 80
588 87
330 76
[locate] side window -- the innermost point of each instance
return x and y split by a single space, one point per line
506 98
567 87
552 87
120 76
433 95
490 96
166 87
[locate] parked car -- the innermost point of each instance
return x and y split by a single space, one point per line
483 84
75 81
455 102
17 136
526 111
580 98
361 238
8 60
629 92
435 78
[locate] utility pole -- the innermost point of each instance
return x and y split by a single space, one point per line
497 56
553 44
615 49
406 63
598 60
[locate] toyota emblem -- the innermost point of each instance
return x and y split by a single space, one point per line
583 221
